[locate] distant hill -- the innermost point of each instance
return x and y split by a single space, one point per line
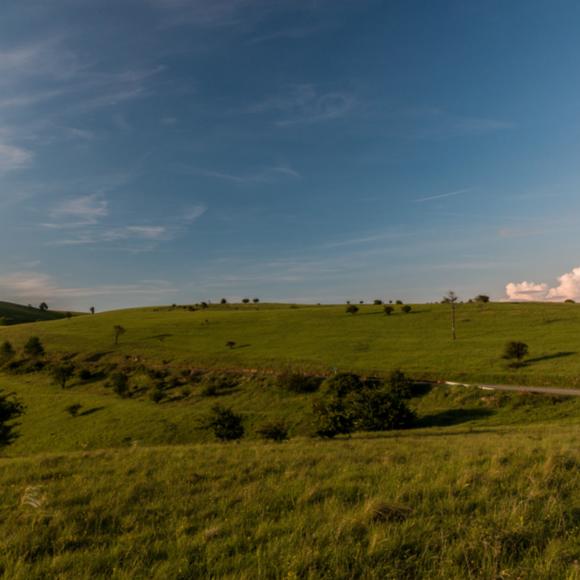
17 314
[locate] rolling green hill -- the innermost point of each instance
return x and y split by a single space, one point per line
18 314
323 338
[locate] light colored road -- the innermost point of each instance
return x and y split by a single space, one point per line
521 389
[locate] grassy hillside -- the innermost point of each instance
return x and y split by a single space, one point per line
486 484
322 338
18 314
499 503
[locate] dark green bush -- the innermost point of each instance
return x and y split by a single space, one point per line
297 382
341 384
119 383
157 394
225 424
273 431
400 385
6 351
34 347
85 375
61 373
10 409
332 417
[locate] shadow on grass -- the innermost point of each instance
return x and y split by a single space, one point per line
90 411
160 337
97 356
453 417
556 355
241 346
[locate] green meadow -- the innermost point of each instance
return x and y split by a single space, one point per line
484 485
325 338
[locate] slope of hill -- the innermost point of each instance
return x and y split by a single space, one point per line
17 314
324 338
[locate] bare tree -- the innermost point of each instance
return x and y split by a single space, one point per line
451 299
118 330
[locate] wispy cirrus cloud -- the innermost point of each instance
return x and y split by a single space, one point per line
13 158
442 195
87 222
267 175
305 104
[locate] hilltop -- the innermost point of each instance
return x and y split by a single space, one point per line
18 314
323 339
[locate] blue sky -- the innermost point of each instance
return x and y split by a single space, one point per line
161 151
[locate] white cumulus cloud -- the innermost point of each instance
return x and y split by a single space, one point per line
568 288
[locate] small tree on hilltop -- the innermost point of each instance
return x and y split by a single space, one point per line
223 301
377 302
61 374
481 299
33 347
225 424
515 350
92 309
118 331
351 309
230 344
406 308
246 300
255 300
451 298
10 409
388 310
43 306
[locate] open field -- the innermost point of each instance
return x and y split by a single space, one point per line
491 503
321 338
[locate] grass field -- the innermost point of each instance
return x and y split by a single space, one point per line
321 338
486 484
491 503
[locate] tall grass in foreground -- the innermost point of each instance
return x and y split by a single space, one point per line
467 504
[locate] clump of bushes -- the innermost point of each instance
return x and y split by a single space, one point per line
273 431
214 384
225 424
298 382
351 309
157 394
349 403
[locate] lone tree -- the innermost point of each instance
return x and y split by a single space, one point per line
255 300
515 350
73 410
246 300
118 331
388 310
481 299
351 309
33 347
92 309
406 308
223 301
230 344
451 299
10 409
61 374
43 306
377 301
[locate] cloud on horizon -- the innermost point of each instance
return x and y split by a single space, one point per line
568 288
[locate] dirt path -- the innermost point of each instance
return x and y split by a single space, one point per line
521 389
